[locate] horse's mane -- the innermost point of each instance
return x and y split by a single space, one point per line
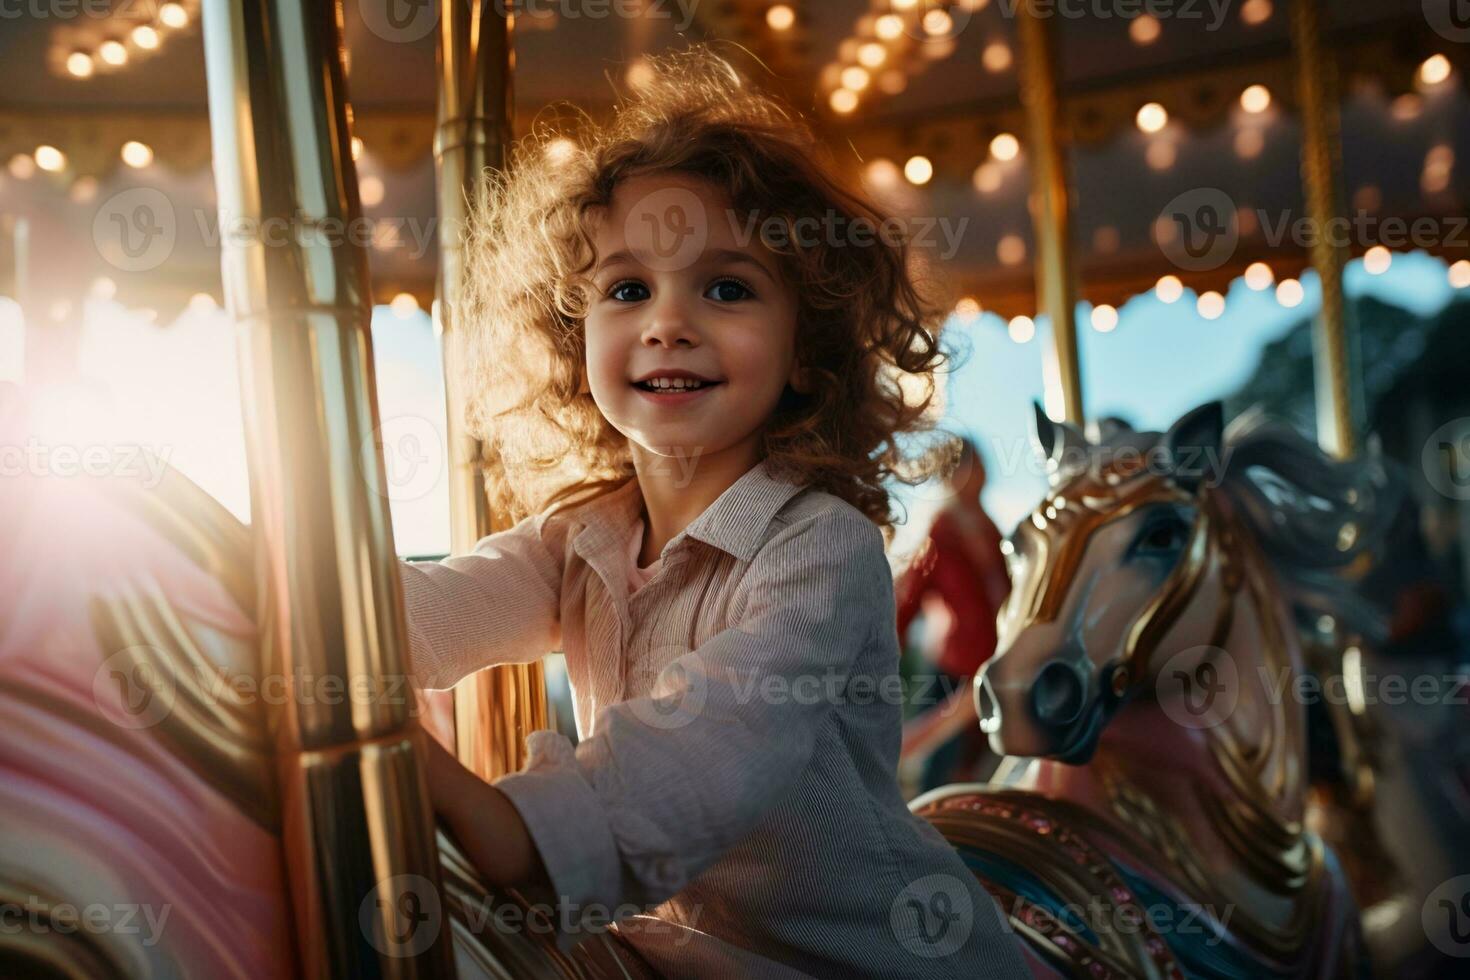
1318 520
1297 499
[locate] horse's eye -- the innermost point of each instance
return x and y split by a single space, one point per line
1161 537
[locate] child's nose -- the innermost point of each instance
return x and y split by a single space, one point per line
670 324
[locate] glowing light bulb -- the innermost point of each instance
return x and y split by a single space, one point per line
918 170
1289 293
113 52
1151 117
1255 98
50 159
173 15
1005 146
780 17
136 154
1258 276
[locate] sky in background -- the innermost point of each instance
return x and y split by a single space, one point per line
175 390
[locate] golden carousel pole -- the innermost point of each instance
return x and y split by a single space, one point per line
1321 164
494 709
1050 199
357 828
14 282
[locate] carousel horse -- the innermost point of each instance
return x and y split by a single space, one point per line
142 824
1151 819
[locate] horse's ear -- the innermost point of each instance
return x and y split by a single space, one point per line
1055 440
1194 443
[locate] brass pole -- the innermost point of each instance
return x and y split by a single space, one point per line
357 828
14 283
1050 202
1321 165
494 709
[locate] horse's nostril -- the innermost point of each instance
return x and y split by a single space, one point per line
1056 696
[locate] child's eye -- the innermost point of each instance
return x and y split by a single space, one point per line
729 290
619 291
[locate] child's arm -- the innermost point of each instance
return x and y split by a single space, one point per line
668 783
498 604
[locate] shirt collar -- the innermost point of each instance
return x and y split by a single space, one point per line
736 522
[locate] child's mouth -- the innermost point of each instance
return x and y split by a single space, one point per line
680 394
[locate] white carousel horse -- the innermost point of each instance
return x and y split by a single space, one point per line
1159 826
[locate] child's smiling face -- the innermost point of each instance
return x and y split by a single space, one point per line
682 285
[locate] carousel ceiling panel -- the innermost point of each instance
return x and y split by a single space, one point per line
957 94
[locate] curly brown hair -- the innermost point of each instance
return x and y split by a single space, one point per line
866 332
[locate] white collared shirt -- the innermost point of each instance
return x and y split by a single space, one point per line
739 720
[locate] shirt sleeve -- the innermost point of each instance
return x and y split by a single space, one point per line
498 604
668 782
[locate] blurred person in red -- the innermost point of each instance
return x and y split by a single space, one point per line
958 581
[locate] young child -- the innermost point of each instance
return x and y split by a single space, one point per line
684 351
